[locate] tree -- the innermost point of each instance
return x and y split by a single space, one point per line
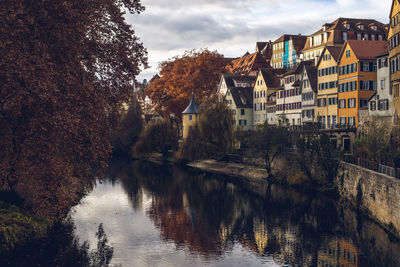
123 138
374 139
159 136
66 67
268 142
195 71
214 134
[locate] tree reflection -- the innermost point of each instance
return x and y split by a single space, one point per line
209 214
62 249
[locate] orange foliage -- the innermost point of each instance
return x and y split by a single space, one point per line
197 72
65 69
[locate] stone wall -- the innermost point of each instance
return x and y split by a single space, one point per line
373 192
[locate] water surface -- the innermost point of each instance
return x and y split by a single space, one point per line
157 215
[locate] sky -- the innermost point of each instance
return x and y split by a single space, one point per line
168 28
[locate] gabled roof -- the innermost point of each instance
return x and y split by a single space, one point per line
248 63
366 49
229 79
312 76
243 96
271 77
298 68
334 51
286 37
192 108
336 28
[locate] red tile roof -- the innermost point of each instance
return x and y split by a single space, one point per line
367 49
248 63
336 28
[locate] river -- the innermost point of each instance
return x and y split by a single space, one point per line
155 215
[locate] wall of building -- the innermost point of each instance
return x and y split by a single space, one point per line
259 100
187 123
328 110
395 52
373 192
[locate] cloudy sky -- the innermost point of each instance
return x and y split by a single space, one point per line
232 27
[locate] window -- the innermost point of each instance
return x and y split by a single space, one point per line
344 36
342 103
382 84
190 117
363 103
351 103
347 53
242 112
351 121
383 104
343 120
372 105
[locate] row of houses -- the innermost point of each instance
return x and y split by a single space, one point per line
338 77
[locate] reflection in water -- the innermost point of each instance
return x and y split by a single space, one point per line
210 217
173 216
63 250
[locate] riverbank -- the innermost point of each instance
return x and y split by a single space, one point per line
375 194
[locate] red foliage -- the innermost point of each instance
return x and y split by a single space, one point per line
197 72
65 69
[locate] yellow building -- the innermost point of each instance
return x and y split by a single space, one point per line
189 117
394 55
327 108
357 79
266 84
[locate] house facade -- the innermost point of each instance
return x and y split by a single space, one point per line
266 84
240 102
381 104
394 56
271 109
327 99
341 30
289 97
286 51
232 80
357 79
308 88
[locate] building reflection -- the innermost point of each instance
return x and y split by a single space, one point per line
208 216
337 253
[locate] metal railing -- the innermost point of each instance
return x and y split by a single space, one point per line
374 166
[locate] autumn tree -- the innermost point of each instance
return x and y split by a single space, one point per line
65 69
195 71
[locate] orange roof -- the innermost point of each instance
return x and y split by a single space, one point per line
248 63
367 49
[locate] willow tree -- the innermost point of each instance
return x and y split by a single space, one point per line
214 133
65 69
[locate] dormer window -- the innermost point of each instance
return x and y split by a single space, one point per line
346 25
374 27
361 27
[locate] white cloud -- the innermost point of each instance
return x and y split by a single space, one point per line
232 27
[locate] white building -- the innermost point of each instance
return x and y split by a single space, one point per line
308 87
380 104
289 97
